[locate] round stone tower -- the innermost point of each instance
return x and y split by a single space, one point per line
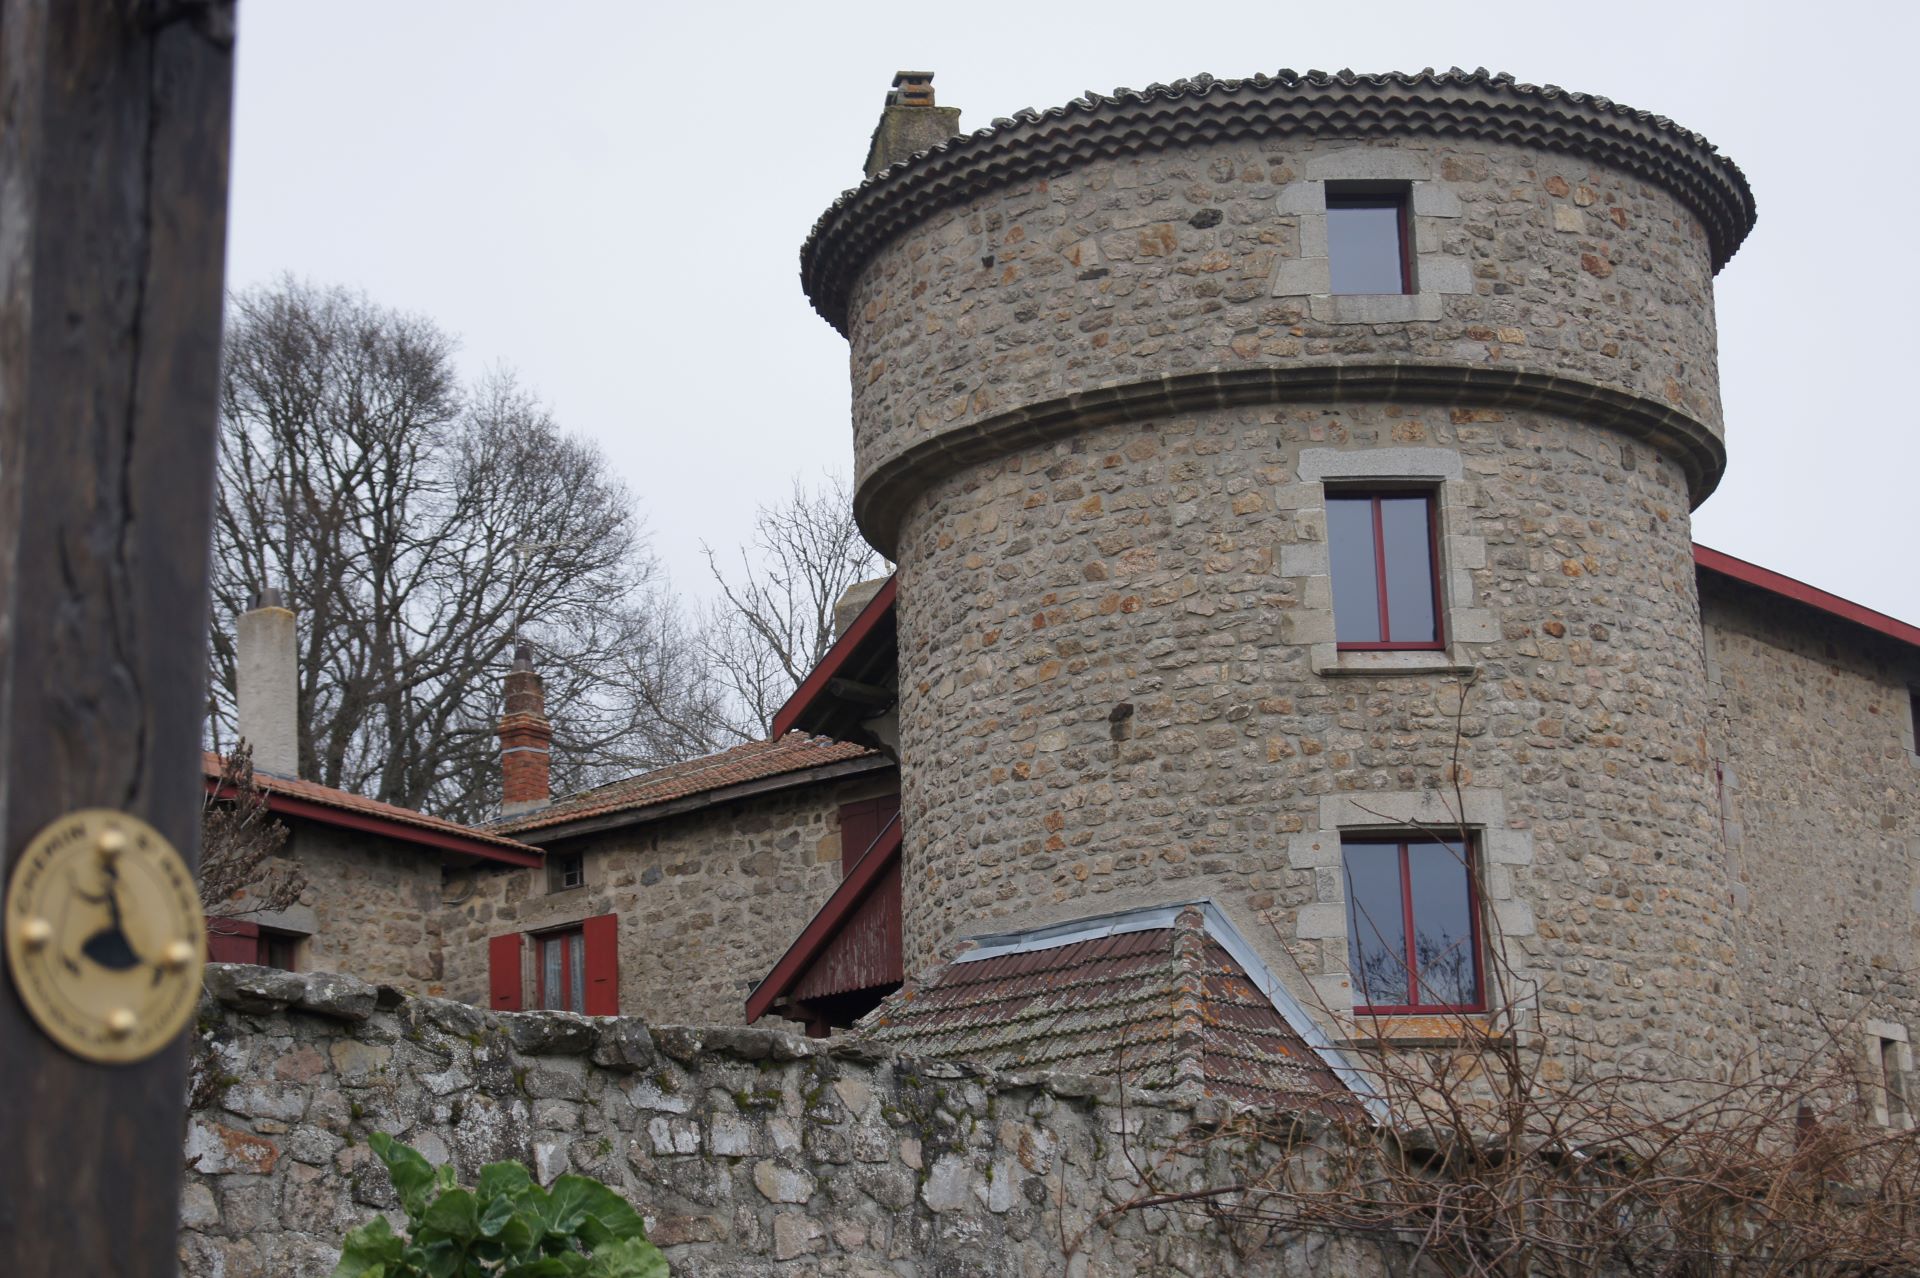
1125 375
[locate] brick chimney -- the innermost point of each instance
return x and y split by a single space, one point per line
911 122
266 682
525 736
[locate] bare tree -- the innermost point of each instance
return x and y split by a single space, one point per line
774 621
415 526
238 839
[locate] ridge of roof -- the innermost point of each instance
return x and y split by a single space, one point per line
747 762
1204 108
294 796
1174 991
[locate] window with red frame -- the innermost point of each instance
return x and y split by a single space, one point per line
240 941
1380 551
574 969
1368 242
1413 930
560 968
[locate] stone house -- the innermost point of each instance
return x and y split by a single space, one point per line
374 899
669 894
374 874
664 895
1290 483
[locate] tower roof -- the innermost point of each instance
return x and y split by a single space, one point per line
1454 103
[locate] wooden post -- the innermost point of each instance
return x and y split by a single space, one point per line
113 192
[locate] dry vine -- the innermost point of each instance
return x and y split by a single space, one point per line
1485 1156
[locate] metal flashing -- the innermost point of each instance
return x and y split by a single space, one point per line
1221 929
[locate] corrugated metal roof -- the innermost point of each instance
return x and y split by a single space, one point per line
1159 1007
754 761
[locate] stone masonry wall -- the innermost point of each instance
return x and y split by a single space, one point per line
750 1152
1119 688
1203 257
1119 679
370 906
1820 813
707 902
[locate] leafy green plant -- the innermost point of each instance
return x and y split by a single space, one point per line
507 1227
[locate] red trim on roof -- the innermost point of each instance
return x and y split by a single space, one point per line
826 924
310 801
796 755
1800 592
836 659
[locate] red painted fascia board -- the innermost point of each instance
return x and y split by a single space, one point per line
826 923
1800 592
836 659
401 831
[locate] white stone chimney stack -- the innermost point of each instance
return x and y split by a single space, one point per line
267 684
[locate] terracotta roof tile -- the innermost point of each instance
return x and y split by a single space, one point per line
754 761
341 800
1159 1006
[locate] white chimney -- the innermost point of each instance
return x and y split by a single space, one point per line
267 684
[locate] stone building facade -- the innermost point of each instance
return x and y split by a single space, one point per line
705 869
1104 393
372 885
1818 785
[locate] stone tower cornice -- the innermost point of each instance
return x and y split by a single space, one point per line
883 495
1455 103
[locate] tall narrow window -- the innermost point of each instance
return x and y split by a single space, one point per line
1385 588
1367 243
1412 929
562 964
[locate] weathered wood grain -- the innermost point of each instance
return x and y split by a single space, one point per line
113 180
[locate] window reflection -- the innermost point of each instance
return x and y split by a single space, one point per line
1410 925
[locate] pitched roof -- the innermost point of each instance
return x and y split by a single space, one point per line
864 651
868 877
1161 1006
795 752
1800 592
290 796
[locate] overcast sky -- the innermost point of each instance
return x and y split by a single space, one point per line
610 198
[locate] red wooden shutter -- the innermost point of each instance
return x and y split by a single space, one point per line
602 935
860 825
233 941
503 972
856 833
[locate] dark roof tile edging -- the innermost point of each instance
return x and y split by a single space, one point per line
795 754
1451 103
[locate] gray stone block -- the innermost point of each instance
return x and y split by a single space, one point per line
1368 164
1319 464
1300 276
1443 273
1435 199
1377 308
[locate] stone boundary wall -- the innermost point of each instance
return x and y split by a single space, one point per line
750 1151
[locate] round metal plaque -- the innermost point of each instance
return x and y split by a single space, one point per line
105 938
